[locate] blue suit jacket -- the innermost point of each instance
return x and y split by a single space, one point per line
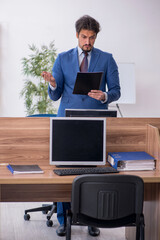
65 71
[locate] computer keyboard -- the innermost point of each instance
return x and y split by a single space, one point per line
87 170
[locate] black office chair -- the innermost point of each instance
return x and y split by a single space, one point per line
107 201
51 208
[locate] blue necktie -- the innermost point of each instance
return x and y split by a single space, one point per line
84 64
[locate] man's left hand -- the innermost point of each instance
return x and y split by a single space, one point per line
97 94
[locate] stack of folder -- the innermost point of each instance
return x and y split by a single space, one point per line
131 161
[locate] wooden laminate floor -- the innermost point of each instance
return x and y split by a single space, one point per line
13 226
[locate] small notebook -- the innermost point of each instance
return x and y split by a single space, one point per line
22 169
85 82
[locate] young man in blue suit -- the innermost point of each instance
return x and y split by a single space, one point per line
62 80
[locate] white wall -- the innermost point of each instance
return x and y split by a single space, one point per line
130 31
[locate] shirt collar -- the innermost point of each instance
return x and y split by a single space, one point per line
80 51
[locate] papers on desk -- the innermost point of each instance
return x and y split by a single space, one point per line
131 161
22 169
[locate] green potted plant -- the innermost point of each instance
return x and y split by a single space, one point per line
35 90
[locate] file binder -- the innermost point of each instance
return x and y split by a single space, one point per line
131 161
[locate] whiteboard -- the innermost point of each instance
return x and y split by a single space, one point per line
127 83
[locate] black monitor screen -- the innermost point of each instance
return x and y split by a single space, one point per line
78 141
90 113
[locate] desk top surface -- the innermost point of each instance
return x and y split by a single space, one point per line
49 177
27 140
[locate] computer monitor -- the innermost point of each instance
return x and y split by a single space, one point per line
90 113
77 141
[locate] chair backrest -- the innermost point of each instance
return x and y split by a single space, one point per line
42 115
107 197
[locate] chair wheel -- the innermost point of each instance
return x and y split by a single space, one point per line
26 217
49 223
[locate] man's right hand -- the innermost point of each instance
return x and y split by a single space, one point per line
49 78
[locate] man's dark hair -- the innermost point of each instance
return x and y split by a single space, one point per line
88 23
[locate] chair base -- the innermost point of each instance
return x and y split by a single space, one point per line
44 209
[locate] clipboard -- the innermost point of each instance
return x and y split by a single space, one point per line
85 82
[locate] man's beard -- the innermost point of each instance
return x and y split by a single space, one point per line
87 50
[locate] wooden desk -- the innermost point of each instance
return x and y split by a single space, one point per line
26 140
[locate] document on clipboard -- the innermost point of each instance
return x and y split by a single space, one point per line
85 82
